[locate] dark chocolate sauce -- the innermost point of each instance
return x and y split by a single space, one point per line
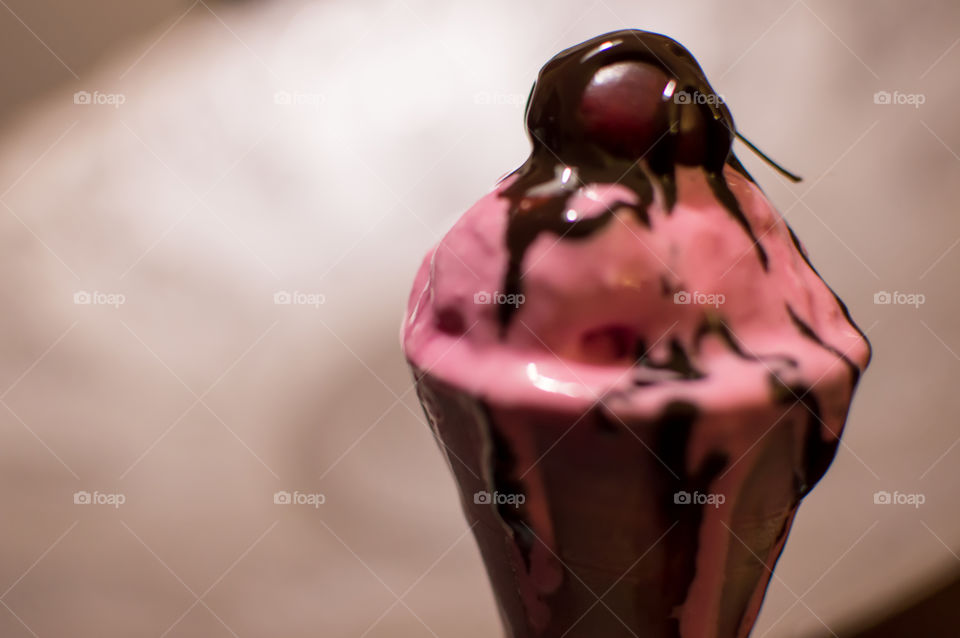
682 123
809 333
692 127
675 428
678 362
843 306
503 468
818 450
712 325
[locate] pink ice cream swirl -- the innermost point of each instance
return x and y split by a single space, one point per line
637 314
590 275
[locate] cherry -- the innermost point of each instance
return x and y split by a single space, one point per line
623 108
692 144
626 108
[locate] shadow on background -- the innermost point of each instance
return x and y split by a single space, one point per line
44 43
933 614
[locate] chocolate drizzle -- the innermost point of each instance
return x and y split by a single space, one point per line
675 428
818 451
698 130
808 332
582 134
712 325
843 306
678 363
720 188
503 468
545 211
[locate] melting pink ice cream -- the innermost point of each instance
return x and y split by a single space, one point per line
628 343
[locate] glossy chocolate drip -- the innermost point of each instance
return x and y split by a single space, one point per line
698 130
843 306
546 212
819 447
675 428
808 332
713 325
678 362
818 452
504 470
720 188
602 516
562 145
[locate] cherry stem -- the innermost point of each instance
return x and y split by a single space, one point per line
792 177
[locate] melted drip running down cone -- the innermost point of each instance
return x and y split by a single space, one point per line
631 367
604 516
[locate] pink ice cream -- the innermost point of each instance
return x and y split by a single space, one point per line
572 339
623 321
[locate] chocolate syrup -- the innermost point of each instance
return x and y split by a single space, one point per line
569 151
696 129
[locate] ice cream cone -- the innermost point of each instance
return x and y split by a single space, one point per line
628 360
593 525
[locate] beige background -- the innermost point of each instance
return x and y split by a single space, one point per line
44 43
200 197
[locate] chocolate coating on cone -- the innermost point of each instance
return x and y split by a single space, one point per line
609 510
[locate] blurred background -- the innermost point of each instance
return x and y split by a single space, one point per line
211 214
